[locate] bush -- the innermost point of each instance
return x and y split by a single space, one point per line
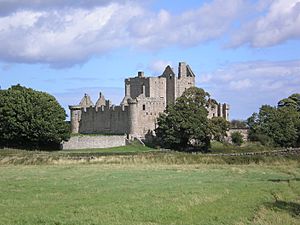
237 138
31 119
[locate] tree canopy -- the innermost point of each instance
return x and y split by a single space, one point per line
184 124
31 119
279 125
237 138
219 127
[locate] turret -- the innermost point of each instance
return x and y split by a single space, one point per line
86 101
75 112
133 117
101 101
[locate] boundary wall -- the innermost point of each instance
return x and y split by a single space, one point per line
90 141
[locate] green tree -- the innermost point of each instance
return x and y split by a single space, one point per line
185 124
219 127
292 101
237 138
31 119
275 126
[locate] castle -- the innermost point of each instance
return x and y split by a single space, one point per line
145 98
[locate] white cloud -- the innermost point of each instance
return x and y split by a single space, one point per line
246 86
240 84
280 23
64 38
192 27
62 34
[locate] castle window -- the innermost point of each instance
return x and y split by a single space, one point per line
144 107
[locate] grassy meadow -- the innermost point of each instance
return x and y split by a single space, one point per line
147 187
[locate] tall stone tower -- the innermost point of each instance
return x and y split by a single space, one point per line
176 85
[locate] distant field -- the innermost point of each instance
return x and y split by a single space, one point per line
148 188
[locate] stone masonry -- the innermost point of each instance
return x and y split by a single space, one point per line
101 141
145 98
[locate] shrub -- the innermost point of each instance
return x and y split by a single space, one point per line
237 138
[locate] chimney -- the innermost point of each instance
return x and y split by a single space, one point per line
140 74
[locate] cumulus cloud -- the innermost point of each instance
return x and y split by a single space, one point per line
259 74
64 38
280 23
60 37
192 27
62 33
247 85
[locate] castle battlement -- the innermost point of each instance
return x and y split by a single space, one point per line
145 97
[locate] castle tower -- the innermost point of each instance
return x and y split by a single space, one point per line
101 101
133 118
186 78
182 70
170 85
75 118
75 111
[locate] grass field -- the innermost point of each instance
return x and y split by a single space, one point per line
148 188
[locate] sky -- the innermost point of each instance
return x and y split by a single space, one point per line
244 52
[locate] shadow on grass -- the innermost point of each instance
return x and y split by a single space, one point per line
284 180
292 208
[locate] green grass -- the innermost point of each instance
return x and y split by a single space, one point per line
218 147
134 147
145 193
140 185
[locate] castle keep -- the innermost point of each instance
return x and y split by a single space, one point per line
145 98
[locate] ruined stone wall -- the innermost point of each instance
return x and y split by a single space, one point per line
212 111
136 86
157 87
86 142
184 83
110 120
148 110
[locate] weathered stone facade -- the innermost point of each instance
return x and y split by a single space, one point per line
145 98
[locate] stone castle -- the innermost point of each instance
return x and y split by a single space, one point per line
145 98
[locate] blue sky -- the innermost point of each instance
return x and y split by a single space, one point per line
244 52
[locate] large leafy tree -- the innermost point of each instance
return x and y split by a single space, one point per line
279 126
185 125
292 101
219 127
31 119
